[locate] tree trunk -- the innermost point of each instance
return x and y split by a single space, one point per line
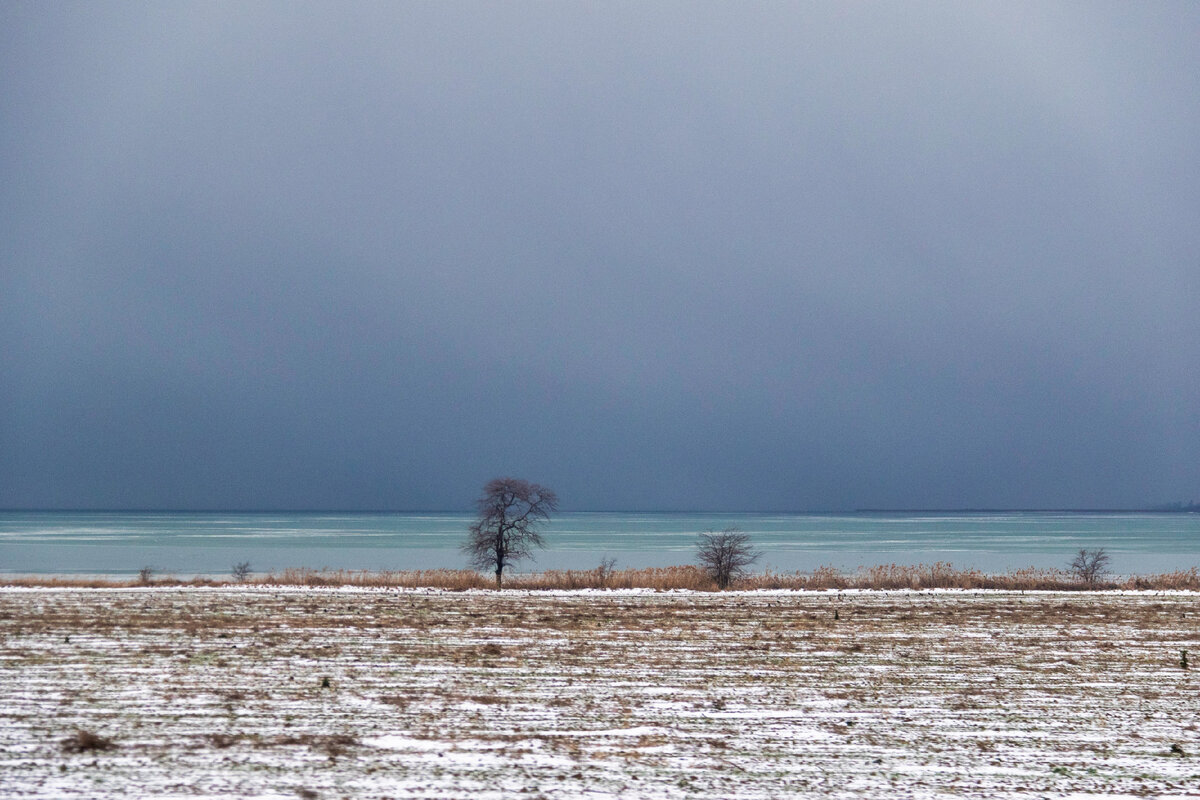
499 573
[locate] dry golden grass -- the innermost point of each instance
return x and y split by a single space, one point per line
940 575
100 582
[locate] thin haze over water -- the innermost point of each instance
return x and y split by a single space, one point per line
209 543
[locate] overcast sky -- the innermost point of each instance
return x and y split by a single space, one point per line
726 256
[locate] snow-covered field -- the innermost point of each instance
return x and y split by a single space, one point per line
330 693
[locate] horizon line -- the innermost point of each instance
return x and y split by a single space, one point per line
1165 508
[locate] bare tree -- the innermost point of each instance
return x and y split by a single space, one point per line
241 571
725 555
1089 566
510 511
604 572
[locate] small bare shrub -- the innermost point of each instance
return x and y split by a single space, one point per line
145 575
241 571
604 572
84 741
725 555
1089 566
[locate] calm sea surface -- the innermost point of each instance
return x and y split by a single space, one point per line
209 543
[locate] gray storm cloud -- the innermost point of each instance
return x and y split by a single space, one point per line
810 256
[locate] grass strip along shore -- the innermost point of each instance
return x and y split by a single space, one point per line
885 576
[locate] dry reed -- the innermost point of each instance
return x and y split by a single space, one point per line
940 575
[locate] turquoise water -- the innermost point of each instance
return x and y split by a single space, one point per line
209 543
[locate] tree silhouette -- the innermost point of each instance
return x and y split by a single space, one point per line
510 511
1089 565
725 555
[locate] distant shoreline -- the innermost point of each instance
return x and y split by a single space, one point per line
1192 508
